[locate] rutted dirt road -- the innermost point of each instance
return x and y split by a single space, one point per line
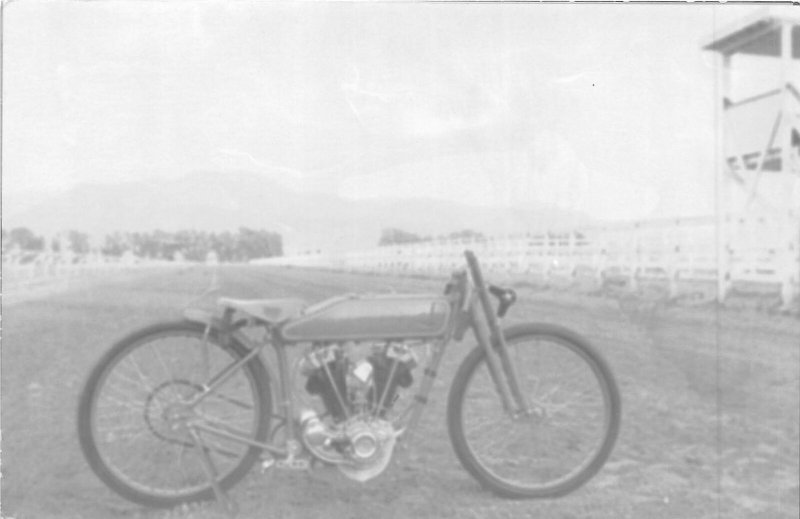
710 408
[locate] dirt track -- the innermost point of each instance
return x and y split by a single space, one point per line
710 409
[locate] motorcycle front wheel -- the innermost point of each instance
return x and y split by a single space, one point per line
568 431
136 431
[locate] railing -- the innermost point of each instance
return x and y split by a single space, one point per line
677 257
26 270
674 258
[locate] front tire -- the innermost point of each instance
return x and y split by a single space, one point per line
130 425
563 442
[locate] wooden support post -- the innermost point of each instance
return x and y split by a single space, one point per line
721 182
674 256
790 267
636 264
786 73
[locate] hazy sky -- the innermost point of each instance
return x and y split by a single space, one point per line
603 108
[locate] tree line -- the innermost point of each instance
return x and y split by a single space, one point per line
393 236
192 245
242 245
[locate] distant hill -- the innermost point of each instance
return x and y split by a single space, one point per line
216 201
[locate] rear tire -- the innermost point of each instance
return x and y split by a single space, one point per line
512 470
129 436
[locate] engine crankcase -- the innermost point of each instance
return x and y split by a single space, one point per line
370 451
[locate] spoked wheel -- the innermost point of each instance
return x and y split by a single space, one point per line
569 431
137 432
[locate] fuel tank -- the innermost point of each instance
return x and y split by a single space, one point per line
363 317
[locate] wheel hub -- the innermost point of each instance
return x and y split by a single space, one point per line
166 414
175 416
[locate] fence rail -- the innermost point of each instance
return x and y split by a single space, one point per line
40 268
675 258
678 256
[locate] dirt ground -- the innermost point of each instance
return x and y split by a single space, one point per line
711 407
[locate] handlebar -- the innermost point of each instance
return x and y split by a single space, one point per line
505 296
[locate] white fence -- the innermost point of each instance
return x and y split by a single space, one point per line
678 257
667 258
29 269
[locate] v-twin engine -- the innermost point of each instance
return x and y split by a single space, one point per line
348 386
358 392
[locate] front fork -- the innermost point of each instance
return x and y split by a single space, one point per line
502 370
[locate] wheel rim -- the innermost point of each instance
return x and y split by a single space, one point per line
141 426
568 424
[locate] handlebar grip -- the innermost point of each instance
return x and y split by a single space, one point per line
506 296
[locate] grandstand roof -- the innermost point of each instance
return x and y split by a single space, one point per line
759 35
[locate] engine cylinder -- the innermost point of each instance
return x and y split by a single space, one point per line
392 369
327 377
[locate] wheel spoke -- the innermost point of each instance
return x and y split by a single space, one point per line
559 444
142 377
136 423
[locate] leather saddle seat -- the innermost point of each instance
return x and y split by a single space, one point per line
271 311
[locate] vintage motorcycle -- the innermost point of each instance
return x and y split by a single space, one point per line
181 411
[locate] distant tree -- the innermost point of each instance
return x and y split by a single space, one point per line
275 243
253 244
25 239
78 242
224 244
117 244
194 245
466 233
392 236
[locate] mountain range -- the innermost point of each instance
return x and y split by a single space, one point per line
217 201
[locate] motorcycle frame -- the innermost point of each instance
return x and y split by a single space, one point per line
470 308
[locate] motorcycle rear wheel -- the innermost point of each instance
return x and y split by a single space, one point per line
130 426
567 436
